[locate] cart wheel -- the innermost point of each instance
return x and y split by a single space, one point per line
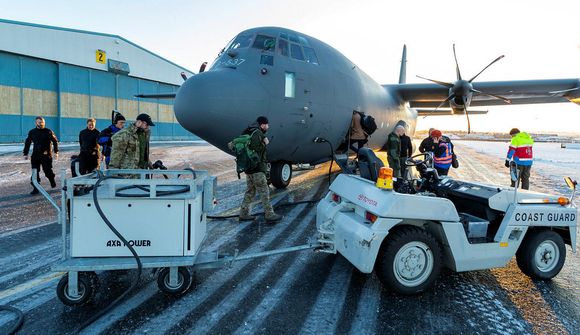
542 254
409 260
183 281
87 284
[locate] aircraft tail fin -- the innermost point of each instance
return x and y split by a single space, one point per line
403 73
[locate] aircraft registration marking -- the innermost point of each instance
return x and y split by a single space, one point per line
232 62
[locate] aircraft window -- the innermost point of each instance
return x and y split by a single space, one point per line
296 51
310 55
303 41
241 41
264 42
283 47
267 59
290 85
293 38
284 36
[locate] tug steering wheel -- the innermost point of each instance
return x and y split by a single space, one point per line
412 161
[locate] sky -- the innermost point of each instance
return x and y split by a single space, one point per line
540 40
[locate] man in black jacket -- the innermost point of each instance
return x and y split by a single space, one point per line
406 152
427 144
256 180
89 155
44 140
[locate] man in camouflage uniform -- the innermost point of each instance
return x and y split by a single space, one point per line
131 145
256 178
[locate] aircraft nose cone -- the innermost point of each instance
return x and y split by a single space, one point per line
218 105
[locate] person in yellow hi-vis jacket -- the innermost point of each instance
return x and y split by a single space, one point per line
520 152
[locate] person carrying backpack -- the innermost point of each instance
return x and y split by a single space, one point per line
255 169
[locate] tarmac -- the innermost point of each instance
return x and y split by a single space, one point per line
297 293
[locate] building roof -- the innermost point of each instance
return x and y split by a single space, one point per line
79 47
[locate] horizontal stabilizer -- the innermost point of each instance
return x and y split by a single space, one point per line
156 96
446 111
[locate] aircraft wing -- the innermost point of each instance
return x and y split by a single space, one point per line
446 111
519 92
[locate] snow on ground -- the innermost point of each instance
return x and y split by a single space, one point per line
551 163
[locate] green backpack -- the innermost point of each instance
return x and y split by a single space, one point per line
246 158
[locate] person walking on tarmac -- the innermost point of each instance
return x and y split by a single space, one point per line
520 153
357 134
406 152
427 144
131 145
443 154
44 142
89 155
256 178
118 123
394 150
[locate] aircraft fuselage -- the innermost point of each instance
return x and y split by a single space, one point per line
306 88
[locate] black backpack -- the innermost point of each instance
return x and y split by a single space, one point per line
367 123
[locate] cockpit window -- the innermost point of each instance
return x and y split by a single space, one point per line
241 41
264 42
310 55
293 38
283 47
284 36
303 41
296 51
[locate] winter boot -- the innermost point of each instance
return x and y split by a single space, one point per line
246 217
52 182
34 191
273 218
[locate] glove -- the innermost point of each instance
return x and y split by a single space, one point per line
507 163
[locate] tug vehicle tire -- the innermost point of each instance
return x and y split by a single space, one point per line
542 254
409 260
87 287
183 281
280 174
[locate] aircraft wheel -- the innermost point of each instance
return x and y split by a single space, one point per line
183 281
87 287
409 260
280 174
542 254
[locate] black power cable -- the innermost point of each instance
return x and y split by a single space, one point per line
323 140
19 316
137 258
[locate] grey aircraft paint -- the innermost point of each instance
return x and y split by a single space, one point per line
250 78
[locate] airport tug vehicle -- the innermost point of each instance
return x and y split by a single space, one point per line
407 230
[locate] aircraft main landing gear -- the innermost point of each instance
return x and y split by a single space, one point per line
280 174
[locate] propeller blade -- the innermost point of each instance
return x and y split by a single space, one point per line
434 112
442 83
456 64
506 100
500 57
466 114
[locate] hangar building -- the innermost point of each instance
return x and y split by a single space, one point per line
68 75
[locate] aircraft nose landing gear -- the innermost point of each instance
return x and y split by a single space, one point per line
280 174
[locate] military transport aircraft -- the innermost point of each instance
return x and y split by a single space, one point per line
308 90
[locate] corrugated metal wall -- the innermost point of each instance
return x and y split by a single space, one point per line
67 95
